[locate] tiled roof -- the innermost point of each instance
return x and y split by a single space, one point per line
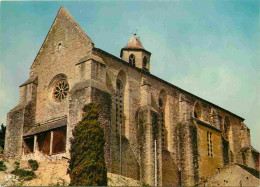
134 43
47 126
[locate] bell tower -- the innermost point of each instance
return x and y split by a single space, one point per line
135 54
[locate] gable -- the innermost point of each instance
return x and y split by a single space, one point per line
66 33
64 46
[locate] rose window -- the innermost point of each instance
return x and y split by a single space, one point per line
60 90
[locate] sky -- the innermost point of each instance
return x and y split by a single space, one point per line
209 48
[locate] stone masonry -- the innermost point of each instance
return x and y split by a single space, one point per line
155 132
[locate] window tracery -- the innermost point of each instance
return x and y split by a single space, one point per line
162 120
60 90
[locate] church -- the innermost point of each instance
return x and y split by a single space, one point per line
155 132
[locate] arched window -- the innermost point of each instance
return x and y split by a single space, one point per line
59 46
119 106
132 59
164 133
161 102
197 111
119 103
145 64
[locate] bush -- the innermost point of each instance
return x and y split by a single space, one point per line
2 136
5 160
24 174
16 165
33 164
87 163
2 166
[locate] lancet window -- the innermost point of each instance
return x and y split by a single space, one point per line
119 107
145 64
197 111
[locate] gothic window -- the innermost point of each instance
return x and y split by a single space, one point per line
197 111
210 145
119 107
162 120
60 90
145 64
155 126
132 59
59 46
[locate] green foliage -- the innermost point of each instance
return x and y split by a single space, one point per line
2 136
5 160
155 125
24 174
16 165
225 147
2 166
194 141
33 164
87 163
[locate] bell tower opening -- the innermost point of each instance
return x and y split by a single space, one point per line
135 54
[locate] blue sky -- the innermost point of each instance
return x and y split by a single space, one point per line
209 48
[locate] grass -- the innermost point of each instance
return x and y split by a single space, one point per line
24 174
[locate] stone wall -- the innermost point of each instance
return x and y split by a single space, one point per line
209 165
20 119
64 46
14 132
175 112
232 175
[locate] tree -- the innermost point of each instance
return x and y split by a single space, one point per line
87 163
2 136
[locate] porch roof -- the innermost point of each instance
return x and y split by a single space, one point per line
46 127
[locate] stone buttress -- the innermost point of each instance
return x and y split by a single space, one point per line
20 119
90 80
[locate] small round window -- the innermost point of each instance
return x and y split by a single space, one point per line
60 90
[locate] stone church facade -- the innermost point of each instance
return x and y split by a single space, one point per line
155 132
